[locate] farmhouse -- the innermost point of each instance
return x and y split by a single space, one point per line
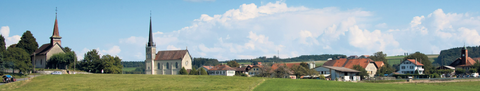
338 73
409 66
168 62
464 61
366 63
252 70
41 56
222 69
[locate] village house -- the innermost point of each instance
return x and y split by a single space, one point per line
338 73
41 56
409 66
366 63
222 69
252 70
168 62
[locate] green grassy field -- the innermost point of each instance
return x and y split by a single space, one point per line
122 82
129 68
314 85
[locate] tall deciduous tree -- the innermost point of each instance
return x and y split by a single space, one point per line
193 72
380 56
20 58
202 71
28 42
233 64
423 59
182 71
2 52
90 59
363 73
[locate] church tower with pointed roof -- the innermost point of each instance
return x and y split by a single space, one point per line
56 35
150 52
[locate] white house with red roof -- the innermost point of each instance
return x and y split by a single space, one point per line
409 66
222 69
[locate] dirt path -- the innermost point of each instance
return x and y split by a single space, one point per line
251 89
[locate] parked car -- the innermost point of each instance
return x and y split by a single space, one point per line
56 73
8 78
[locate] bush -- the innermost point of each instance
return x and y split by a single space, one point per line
182 71
321 77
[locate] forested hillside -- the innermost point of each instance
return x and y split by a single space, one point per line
303 58
446 57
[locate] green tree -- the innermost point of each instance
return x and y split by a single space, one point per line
321 77
299 70
380 56
57 61
182 71
233 64
363 73
459 71
202 71
193 72
2 53
111 64
281 72
28 42
423 59
90 61
305 65
20 58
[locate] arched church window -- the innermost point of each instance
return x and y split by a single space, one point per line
168 66
158 65
176 64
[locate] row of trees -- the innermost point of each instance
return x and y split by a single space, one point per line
92 62
17 56
301 58
283 71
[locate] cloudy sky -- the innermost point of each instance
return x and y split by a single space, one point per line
244 29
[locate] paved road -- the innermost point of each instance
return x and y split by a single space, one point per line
21 79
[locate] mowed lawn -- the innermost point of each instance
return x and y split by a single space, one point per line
316 85
122 82
129 68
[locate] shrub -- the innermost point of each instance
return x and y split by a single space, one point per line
322 77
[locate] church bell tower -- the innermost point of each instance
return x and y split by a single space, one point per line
150 52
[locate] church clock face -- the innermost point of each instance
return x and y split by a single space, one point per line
186 63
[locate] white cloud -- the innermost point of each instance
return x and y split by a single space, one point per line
171 47
9 40
112 51
251 31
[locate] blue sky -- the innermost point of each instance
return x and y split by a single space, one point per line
242 29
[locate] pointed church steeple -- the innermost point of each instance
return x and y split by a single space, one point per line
56 35
150 35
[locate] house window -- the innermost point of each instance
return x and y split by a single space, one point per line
411 67
158 65
168 66
403 67
346 74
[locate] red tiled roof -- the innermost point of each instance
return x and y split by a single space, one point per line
348 63
241 69
171 55
379 64
413 61
208 67
222 67
289 65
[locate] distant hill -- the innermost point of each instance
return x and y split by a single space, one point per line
302 58
446 57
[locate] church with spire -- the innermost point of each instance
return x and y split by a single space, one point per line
166 62
464 62
41 56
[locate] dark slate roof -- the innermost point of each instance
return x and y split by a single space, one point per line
171 55
44 49
150 36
